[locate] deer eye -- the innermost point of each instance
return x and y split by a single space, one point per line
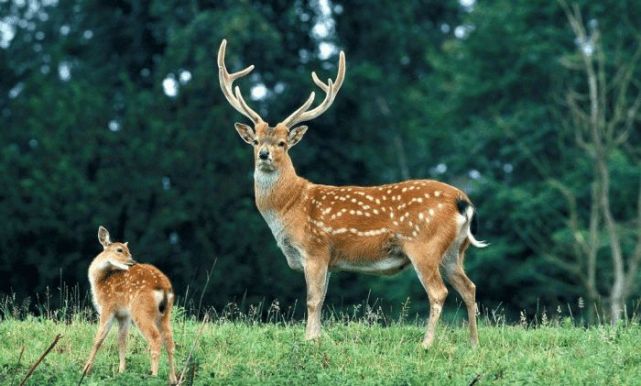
281 144
119 250
255 142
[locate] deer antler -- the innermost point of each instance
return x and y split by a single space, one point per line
331 89
226 79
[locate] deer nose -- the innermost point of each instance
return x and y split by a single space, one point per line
263 154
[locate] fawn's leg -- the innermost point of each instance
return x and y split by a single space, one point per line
123 331
104 325
146 321
168 338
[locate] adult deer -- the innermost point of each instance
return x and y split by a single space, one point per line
376 230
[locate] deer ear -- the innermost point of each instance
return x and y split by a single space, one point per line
295 135
103 236
245 132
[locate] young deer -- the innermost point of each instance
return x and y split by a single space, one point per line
376 230
123 289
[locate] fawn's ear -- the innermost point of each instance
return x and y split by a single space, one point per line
103 236
245 132
295 135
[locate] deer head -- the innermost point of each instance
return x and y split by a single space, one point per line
114 255
271 144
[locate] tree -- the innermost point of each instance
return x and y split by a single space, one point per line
603 114
501 85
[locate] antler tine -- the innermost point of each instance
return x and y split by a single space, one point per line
330 89
291 119
244 105
226 80
339 78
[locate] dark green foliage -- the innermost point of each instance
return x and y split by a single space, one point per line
104 145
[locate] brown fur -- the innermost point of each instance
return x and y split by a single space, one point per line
378 230
124 290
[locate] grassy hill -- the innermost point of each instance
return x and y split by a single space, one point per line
246 351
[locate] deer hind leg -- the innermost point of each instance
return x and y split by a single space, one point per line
146 320
104 325
317 279
123 331
456 276
426 260
168 339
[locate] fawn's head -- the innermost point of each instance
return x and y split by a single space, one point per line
115 255
271 144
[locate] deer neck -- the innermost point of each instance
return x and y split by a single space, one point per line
279 193
98 272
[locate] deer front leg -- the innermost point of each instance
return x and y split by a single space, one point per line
103 329
316 277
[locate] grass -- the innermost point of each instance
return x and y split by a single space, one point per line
352 351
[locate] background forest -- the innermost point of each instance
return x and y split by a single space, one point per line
111 113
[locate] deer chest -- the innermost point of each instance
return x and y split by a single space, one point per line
295 259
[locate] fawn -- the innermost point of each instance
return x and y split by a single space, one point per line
123 289
377 230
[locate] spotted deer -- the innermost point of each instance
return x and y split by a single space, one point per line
375 230
123 289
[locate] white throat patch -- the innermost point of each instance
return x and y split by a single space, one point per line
265 180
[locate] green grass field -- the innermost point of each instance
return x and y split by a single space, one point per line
350 352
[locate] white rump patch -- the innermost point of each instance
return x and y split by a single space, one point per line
467 221
158 295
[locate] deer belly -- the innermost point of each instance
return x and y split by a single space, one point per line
386 266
